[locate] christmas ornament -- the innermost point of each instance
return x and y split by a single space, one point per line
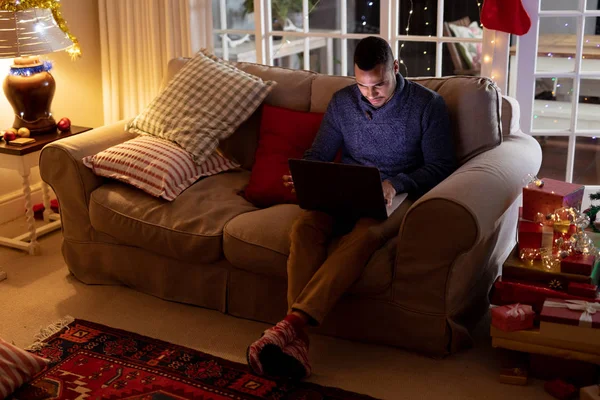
54 7
555 284
23 132
8 136
64 124
506 16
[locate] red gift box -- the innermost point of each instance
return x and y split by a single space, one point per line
532 235
550 197
577 320
586 290
579 264
514 317
504 292
560 389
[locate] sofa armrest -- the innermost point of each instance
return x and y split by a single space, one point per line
62 168
448 235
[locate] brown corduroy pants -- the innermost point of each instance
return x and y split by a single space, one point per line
316 280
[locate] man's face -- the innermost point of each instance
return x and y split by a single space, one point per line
378 84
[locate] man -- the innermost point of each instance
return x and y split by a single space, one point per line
384 121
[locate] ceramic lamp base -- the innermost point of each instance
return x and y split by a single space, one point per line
30 89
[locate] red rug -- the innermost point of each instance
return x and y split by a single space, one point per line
93 361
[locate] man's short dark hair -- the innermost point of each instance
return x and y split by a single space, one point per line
372 51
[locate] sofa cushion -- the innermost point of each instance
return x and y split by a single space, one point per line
284 134
188 229
205 102
259 242
474 107
157 166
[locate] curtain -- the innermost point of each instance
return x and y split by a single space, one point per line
138 38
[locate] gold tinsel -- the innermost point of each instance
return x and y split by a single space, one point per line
54 6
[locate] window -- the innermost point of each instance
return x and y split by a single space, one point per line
429 37
557 83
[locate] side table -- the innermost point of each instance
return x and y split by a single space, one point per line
22 159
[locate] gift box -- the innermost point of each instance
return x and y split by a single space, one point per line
513 376
580 264
549 197
560 389
514 269
590 393
577 320
509 292
513 317
586 290
532 235
547 368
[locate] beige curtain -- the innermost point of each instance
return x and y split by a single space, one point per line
138 38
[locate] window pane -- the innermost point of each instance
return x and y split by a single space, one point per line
417 17
559 5
588 115
238 14
288 52
557 44
324 15
239 47
591 46
461 59
593 5
416 58
325 59
554 156
552 105
363 16
287 14
586 170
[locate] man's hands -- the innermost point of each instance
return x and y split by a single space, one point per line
288 182
388 192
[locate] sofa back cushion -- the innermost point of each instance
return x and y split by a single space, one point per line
474 104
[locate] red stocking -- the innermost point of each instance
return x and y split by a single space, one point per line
506 16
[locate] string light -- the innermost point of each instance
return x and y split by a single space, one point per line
407 29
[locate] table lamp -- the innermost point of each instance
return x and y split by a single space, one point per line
28 29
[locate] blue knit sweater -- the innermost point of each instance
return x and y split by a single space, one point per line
408 138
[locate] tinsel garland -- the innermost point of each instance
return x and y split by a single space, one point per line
54 7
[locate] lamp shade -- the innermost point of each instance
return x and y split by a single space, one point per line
33 31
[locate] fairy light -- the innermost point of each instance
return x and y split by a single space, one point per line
407 29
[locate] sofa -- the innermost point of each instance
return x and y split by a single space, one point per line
424 290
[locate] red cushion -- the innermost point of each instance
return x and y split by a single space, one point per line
284 134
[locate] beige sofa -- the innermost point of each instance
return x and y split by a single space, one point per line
422 291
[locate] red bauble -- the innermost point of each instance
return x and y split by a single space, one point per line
64 124
8 136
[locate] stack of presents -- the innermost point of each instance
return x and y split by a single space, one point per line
546 305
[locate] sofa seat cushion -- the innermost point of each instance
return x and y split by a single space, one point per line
189 229
259 242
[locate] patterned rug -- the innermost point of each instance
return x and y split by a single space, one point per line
94 361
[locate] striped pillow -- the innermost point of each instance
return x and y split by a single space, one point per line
157 166
17 367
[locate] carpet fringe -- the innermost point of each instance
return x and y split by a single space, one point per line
48 331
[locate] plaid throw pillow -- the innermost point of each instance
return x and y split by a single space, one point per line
157 166
204 103
17 367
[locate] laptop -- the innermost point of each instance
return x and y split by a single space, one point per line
347 190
